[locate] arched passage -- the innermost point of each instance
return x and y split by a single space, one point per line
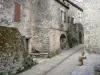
75 34
80 37
62 41
81 33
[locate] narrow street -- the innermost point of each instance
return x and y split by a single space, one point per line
67 66
62 64
49 37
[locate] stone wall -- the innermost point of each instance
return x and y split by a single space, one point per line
76 14
47 21
40 19
11 50
91 19
57 27
7 9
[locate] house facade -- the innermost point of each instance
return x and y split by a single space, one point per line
43 24
92 26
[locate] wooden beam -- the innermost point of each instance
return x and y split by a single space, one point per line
62 4
75 5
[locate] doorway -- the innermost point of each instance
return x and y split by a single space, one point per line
80 37
62 41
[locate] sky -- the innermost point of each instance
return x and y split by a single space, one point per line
79 0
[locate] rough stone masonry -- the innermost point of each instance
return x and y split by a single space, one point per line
40 22
91 20
11 50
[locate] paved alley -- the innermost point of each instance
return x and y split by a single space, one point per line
67 66
62 64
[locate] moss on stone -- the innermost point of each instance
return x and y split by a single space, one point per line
10 41
11 49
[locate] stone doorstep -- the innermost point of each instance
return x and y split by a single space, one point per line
40 60
83 70
39 55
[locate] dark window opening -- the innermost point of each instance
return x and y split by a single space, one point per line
27 44
70 20
80 37
63 16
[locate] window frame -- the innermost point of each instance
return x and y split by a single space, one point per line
63 16
17 12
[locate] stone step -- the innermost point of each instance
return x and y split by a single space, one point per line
39 55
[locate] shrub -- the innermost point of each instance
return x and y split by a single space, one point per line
1 73
28 63
74 40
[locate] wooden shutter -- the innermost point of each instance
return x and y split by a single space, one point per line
17 12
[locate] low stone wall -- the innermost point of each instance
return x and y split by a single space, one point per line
11 50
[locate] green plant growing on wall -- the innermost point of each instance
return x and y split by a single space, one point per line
10 73
11 48
72 40
72 36
1 73
28 63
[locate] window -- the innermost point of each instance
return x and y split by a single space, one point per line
1 4
63 16
17 12
70 20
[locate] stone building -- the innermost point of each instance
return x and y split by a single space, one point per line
92 25
42 23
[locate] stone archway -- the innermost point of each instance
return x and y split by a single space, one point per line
75 34
62 41
81 33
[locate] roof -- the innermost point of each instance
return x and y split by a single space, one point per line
72 3
75 4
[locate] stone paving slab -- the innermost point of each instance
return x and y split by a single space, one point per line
66 67
88 67
83 70
48 65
